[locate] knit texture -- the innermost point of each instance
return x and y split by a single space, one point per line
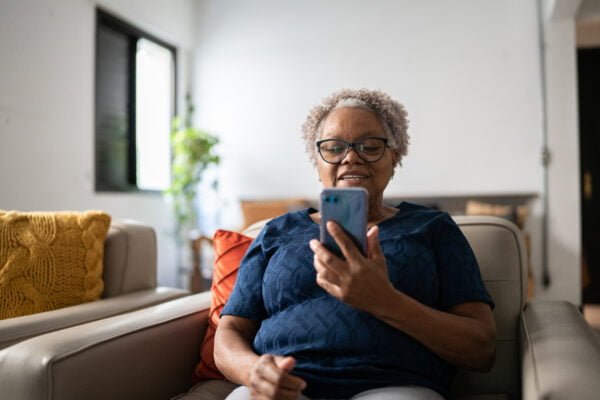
50 260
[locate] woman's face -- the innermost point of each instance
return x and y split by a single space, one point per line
352 124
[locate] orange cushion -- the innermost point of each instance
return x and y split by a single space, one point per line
230 248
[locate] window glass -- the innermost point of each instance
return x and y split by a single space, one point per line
135 97
154 92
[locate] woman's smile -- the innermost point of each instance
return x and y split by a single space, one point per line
352 178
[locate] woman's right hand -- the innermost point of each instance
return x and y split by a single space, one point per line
270 378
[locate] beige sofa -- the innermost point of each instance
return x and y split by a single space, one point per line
129 284
545 350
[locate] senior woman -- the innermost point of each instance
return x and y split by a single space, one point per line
302 322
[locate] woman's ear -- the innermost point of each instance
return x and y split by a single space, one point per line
396 156
318 172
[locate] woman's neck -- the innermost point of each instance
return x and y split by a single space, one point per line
379 213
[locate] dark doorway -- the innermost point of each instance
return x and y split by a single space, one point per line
588 61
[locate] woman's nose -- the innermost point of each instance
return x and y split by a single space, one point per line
352 157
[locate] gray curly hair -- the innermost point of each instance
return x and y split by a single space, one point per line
391 114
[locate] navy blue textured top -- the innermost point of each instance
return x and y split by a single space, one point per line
341 351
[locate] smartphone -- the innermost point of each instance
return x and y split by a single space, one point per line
348 207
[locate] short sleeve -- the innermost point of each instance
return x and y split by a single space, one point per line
458 271
246 299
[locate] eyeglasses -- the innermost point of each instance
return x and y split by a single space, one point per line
369 150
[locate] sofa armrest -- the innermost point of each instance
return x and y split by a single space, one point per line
129 258
145 354
560 353
14 330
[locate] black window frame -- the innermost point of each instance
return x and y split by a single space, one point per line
106 20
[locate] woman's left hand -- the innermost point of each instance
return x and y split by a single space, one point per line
359 281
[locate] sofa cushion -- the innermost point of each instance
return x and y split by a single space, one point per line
50 260
230 248
208 390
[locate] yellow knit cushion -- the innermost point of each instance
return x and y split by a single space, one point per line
50 260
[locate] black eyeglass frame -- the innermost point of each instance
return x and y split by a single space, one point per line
352 145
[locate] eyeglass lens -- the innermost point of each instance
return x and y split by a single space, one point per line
369 149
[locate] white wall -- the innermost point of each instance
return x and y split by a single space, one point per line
564 207
588 24
47 107
589 8
467 71
564 245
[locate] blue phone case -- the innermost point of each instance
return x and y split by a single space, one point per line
347 207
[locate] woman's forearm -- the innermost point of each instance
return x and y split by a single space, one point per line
464 337
267 376
234 355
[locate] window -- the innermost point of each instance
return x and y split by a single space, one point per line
135 103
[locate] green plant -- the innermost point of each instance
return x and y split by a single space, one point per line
193 150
